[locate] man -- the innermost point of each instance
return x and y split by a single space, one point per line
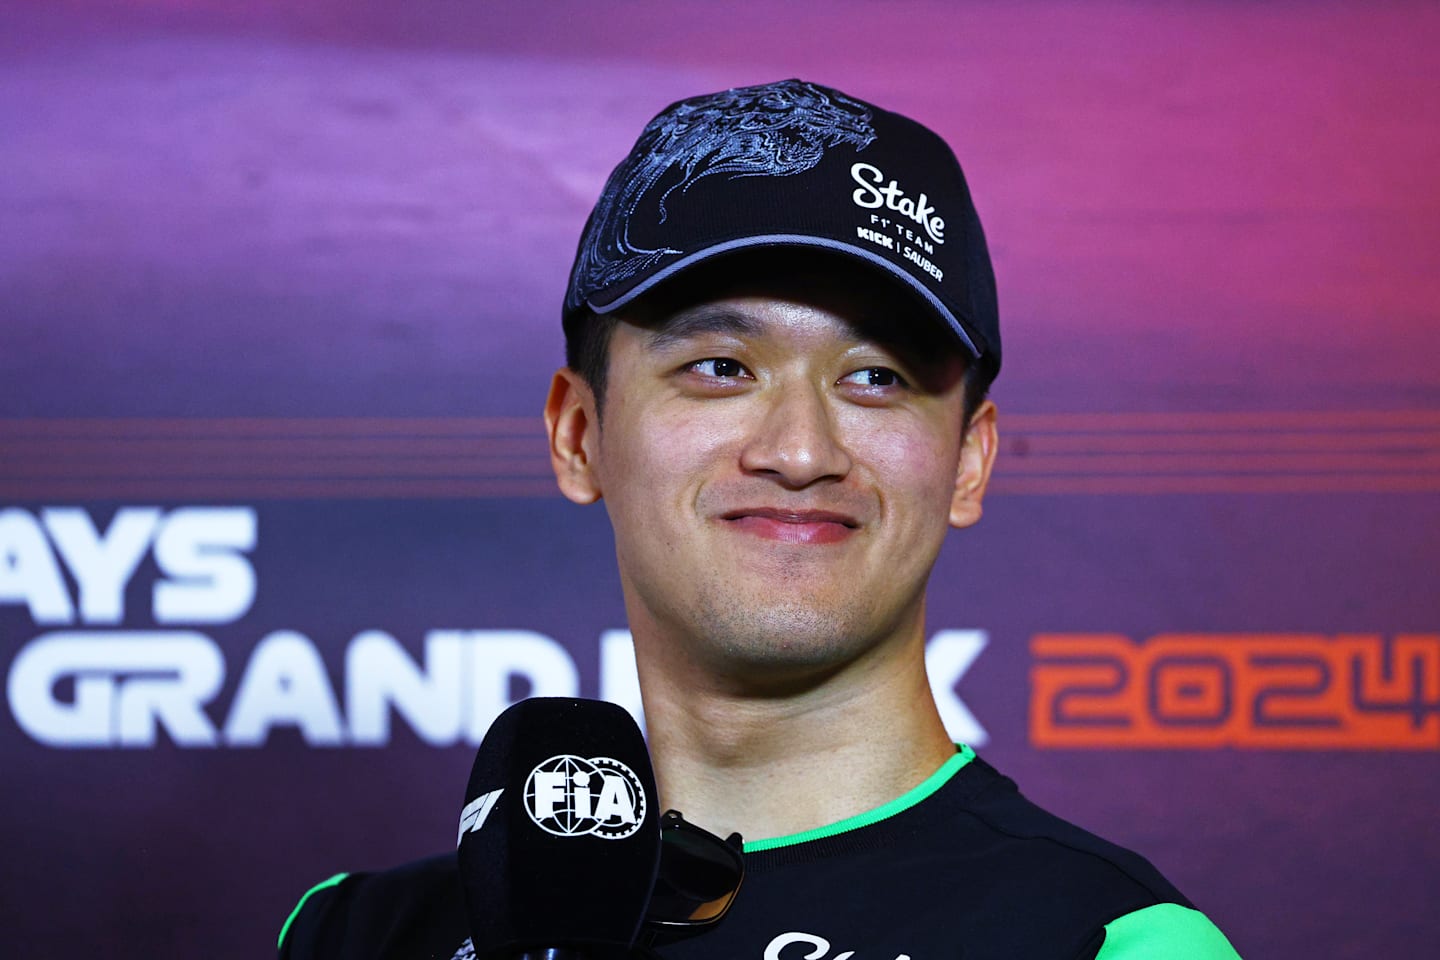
781 327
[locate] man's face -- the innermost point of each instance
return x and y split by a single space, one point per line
780 471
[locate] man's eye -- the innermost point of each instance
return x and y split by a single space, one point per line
875 377
719 367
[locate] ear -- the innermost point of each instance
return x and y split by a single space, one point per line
977 456
573 425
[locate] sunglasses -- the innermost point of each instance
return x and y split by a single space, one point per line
698 878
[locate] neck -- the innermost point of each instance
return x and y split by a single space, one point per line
769 765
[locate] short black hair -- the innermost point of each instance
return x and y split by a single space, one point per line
587 348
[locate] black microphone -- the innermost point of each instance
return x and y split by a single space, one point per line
559 838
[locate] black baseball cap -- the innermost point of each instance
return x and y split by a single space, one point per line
790 164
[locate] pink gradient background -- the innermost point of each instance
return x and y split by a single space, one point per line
368 209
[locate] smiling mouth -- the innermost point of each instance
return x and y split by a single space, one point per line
793 526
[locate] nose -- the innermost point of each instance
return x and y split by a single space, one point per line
794 439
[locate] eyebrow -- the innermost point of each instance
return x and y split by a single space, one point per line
703 320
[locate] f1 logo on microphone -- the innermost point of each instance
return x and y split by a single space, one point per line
472 818
572 796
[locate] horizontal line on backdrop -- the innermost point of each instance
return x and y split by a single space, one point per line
305 466
462 457
1213 463
1209 422
1017 443
220 488
172 448
298 466
1021 443
423 488
1169 422
1334 483
267 426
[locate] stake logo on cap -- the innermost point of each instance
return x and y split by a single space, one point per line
791 164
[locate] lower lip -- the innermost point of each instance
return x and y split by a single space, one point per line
814 531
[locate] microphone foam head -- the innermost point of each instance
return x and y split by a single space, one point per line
559 836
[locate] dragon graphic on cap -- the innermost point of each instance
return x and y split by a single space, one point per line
774 130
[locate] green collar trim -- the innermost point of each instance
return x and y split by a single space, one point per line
900 804
299 906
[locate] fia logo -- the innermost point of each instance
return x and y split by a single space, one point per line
571 796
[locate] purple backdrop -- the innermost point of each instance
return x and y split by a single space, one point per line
279 295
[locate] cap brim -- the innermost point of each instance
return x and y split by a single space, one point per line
631 294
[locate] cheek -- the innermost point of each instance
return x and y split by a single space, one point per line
911 465
659 458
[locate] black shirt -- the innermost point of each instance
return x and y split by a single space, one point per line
962 866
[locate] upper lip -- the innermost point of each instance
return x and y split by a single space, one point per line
789 515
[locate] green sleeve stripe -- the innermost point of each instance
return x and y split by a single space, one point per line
1165 930
903 802
301 905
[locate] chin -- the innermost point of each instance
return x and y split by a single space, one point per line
786 639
